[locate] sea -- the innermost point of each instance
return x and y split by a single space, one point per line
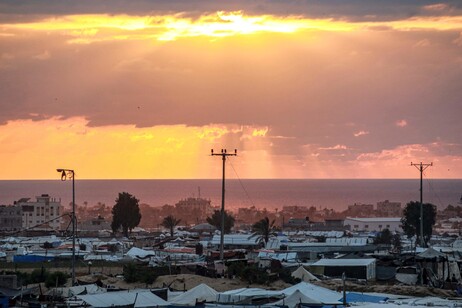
271 194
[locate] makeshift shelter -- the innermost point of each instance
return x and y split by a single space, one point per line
136 299
353 268
430 255
354 297
204 228
296 298
199 294
434 265
248 295
323 295
77 290
302 274
308 293
140 254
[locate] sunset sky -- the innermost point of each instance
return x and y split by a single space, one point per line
143 89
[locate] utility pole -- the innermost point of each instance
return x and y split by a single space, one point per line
421 167
223 155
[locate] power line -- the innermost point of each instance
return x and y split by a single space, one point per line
242 185
41 224
432 189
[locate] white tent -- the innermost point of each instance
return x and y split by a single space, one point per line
245 294
325 296
135 253
200 293
140 299
296 298
76 290
302 274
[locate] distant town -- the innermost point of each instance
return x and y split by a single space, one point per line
45 213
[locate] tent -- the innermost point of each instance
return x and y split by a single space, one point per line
137 253
296 298
323 295
354 297
431 255
198 294
139 299
77 290
302 274
247 295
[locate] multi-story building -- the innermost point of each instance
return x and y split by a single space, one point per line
10 218
297 224
193 210
41 214
360 210
374 224
389 209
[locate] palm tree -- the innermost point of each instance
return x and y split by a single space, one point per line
264 229
170 222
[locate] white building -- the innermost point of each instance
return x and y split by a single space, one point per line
374 224
42 214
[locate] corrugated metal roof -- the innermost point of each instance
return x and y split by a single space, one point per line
344 262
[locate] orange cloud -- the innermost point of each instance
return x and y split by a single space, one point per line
120 151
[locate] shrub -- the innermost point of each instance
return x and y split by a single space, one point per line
56 279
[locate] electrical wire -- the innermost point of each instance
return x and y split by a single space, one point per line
430 185
43 223
242 184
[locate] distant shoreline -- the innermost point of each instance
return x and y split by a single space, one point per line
334 194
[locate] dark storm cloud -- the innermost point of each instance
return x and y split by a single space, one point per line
353 10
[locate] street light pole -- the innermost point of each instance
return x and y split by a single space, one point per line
70 174
223 154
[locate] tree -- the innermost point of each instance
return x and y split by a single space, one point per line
396 242
411 220
170 223
215 220
125 213
264 229
385 237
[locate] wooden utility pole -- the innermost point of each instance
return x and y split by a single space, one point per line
223 154
421 167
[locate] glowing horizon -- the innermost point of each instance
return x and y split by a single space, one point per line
118 93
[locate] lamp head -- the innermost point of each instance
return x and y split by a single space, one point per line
63 174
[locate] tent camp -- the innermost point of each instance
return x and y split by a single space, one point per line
139 299
302 274
312 294
198 294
